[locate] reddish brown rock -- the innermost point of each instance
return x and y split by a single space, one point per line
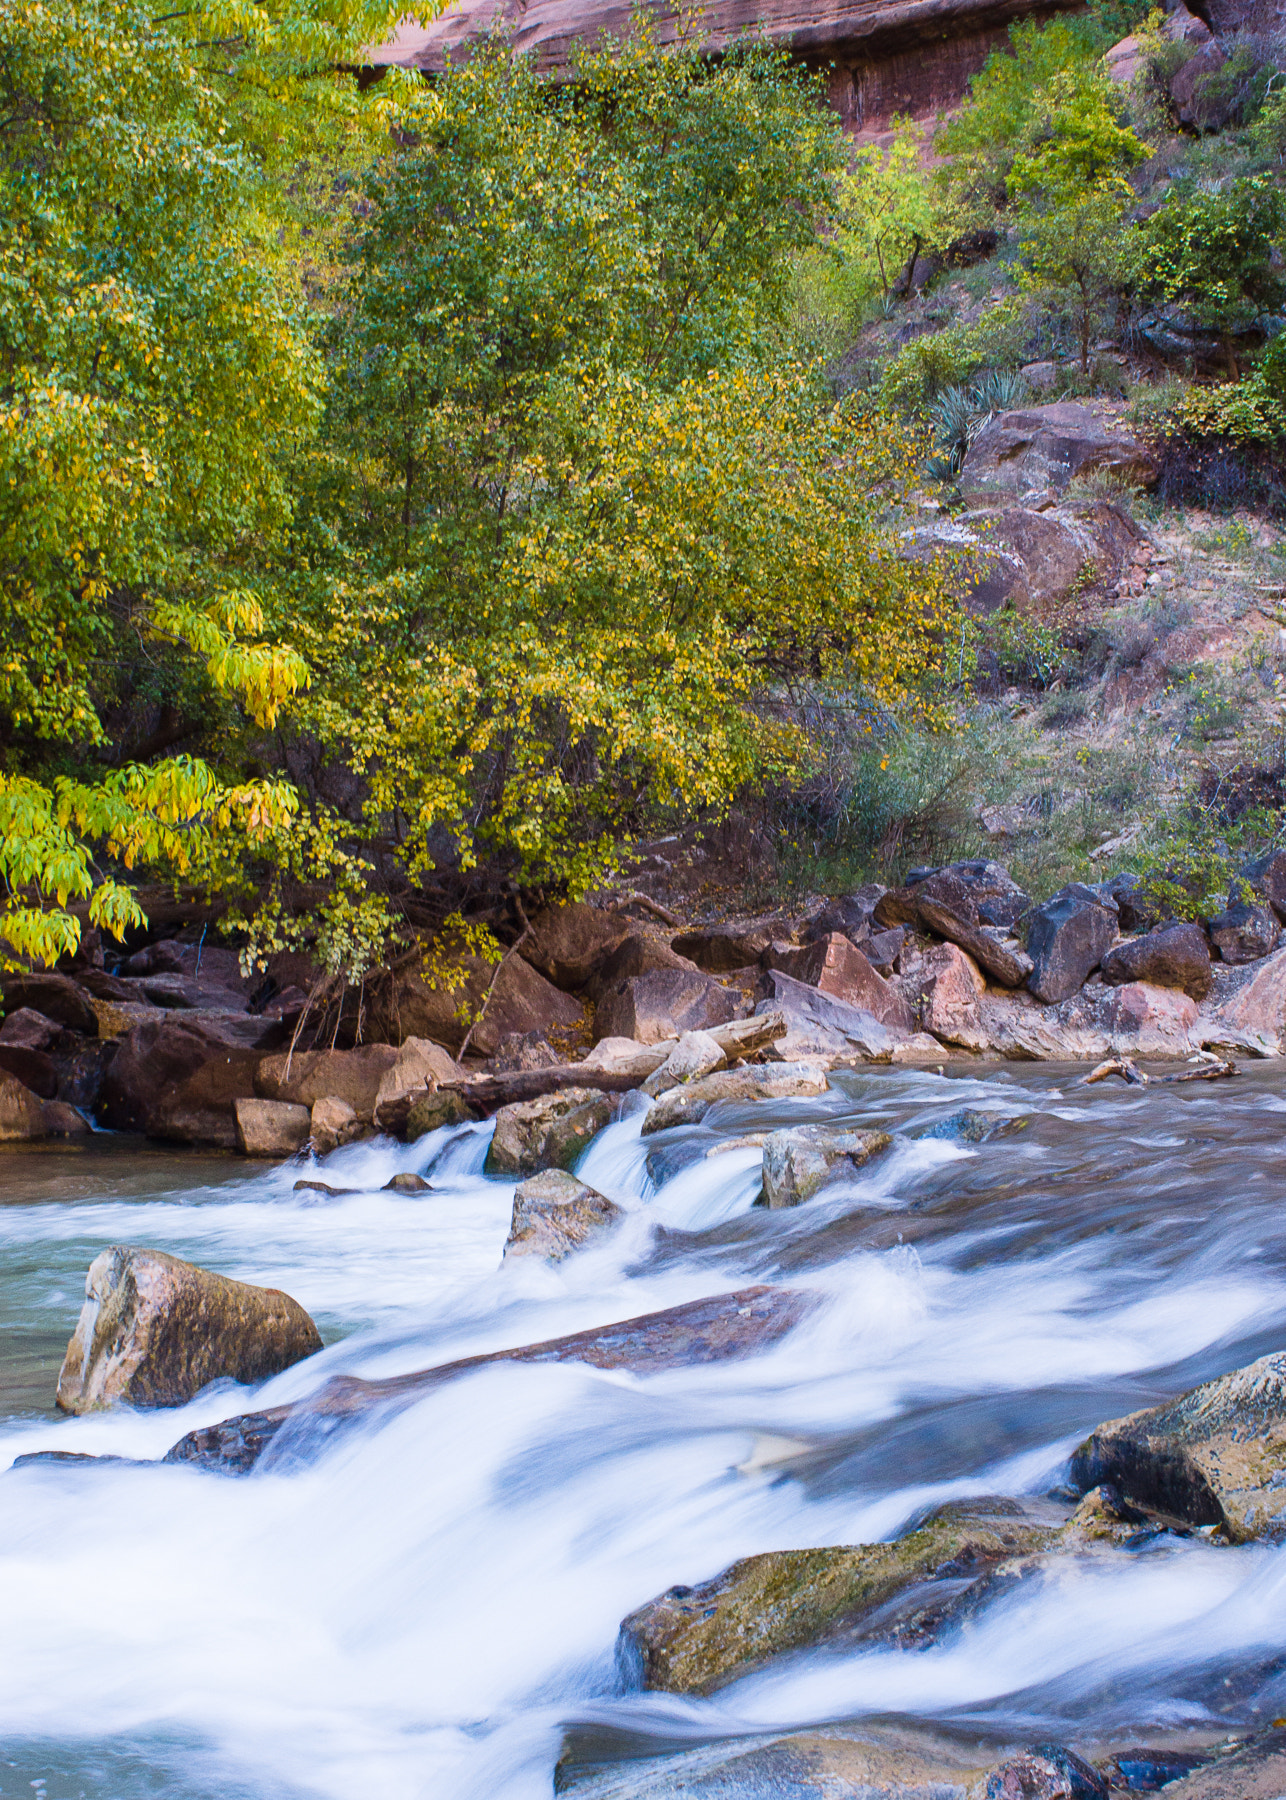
29 1030
304 1076
952 903
1244 933
1174 955
177 1076
1142 1020
521 1000
835 966
32 1068
274 1128
1040 449
719 949
664 1004
418 1068
58 997
569 944
952 987
22 1114
1249 1013
154 1331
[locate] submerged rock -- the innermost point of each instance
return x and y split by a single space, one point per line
803 1158
971 1127
548 1133
1254 1771
555 1214
1214 1456
154 1331
1047 1772
1173 955
430 1112
830 1762
689 1104
692 1640
722 1328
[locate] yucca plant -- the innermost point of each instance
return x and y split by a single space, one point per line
959 414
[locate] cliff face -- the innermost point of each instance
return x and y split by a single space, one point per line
881 57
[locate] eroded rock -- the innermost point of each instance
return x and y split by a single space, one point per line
548 1133
154 1331
419 1066
821 1025
662 1004
305 1076
833 965
555 1214
697 1053
332 1123
430 1112
1038 449
177 1076
801 1159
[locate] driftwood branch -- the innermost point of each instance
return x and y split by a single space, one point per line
530 1084
646 901
1212 1068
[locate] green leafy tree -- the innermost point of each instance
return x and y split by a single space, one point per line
576 511
155 379
1214 253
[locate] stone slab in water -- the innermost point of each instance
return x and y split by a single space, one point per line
718 1329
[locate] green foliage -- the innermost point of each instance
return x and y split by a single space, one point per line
1250 411
575 505
1077 144
1080 257
927 365
887 213
1212 252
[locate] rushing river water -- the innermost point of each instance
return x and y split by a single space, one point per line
429 1611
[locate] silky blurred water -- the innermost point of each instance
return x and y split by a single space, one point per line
430 1608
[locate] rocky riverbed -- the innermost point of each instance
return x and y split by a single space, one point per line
430 1600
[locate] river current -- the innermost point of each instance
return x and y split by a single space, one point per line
429 1610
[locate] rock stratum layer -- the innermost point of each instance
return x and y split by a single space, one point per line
882 57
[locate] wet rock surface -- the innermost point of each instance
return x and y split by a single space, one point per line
803 1158
689 1104
154 1331
692 1640
1215 1456
549 1133
554 1214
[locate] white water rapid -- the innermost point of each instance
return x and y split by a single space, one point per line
429 1610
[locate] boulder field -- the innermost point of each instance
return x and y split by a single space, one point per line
958 963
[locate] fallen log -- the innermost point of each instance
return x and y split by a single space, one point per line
1212 1068
721 1328
490 1091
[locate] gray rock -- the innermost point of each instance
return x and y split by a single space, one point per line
967 910
697 1053
968 1126
803 1158
1265 877
1255 1771
154 1331
432 1111
1136 910
883 948
1244 933
828 1763
689 1104
1174 955
1214 1456
820 1024
555 1214
405 1182
836 966
548 1133
271 1127
1066 939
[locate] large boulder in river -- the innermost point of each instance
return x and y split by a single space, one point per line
548 1133
692 1640
154 1331
1214 1456
835 966
663 1003
801 1159
1175 954
555 1214
177 1076
1067 938
1039 448
273 1128
418 1068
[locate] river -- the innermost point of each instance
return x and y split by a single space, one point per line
429 1611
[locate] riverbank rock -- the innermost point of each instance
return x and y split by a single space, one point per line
333 1123
154 1331
27 1029
569 944
721 1328
1214 1456
305 1076
1244 933
57 997
663 1003
803 1158
1247 1010
819 1025
1048 1772
719 949
697 1053
972 905
420 1065
1039 448
518 1000
1173 955
274 1128
835 966
828 1763
1266 878
626 1056
177 1076
951 988
555 1214
22 1113
692 1640
1067 938
1255 1771
430 1112
548 1133
689 1104
32 1068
